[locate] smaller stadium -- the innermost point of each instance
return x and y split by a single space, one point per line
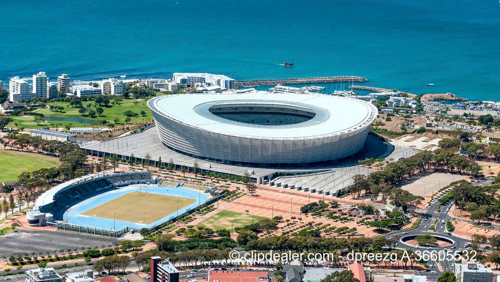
109 201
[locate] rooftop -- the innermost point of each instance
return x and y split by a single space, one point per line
333 115
53 133
237 276
43 274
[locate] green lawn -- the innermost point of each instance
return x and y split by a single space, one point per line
14 163
228 220
139 207
109 115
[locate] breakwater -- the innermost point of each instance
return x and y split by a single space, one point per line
378 89
293 81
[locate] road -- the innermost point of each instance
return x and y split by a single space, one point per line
435 214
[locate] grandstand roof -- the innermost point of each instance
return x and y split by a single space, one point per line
333 115
48 196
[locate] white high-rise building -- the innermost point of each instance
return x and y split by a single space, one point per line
40 85
63 82
19 90
112 86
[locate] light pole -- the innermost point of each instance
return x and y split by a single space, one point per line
114 221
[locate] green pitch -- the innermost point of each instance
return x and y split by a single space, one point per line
228 220
140 207
12 164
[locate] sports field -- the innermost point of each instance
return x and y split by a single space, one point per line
140 207
228 220
14 163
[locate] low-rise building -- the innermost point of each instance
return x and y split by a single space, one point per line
395 102
473 272
48 274
294 272
85 90
358 271
317 274
87 130
80 276
204 79
10 107
47 134
162 84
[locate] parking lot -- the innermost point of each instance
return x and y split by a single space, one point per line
28 242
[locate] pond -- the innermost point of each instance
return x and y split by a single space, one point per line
72 119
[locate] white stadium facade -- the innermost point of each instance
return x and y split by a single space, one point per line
263 129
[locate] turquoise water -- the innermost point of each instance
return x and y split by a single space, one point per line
402 44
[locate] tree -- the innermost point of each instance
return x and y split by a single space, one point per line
248 184
4 121
494 257
246 236
91 113
4 95
420 130
118 100
82 111
5 207
486 119
99 111
447 277
196 166
129 113
147 159
12 203
340 276
479 214
494 241
449 144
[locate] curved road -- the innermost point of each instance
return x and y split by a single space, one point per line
434 213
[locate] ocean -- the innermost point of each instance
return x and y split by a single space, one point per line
403 44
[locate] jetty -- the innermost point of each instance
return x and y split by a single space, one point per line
293 81
379 89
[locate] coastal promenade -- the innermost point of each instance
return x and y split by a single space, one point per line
293 81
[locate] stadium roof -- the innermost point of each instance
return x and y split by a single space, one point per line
334 115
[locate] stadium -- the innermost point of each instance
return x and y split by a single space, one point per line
263 129
108 201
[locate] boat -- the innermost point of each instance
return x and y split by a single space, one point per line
287 64
430 84
345 93
123 76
